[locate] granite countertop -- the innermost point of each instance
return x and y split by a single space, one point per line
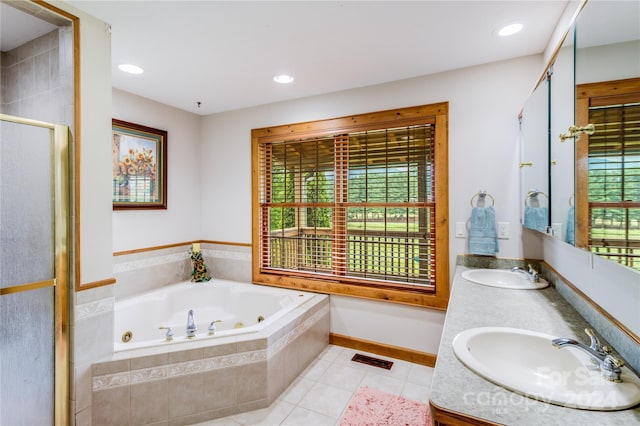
456 388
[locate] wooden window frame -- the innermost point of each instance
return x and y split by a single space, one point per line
588 95
391 292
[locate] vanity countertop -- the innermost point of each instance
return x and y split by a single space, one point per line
460 392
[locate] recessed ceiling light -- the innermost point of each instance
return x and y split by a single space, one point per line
283 79
131 69
510 29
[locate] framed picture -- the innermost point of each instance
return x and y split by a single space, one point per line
139 163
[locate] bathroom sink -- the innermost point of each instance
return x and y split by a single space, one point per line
527 363
503 278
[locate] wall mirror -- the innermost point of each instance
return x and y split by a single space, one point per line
607 185
561 166
534 149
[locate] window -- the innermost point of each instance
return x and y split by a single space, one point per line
355 205
610 203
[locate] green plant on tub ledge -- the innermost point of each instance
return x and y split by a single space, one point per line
199 271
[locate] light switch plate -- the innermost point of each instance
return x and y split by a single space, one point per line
503 230
461 229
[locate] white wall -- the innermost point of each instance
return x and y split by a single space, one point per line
484 103
180 222
398 325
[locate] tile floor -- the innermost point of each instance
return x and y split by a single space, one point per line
322 392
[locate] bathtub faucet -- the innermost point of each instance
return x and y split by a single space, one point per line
212 327
191 325
168 334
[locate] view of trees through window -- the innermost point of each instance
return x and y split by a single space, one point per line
362 187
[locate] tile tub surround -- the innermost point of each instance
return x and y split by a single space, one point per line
457 389
148 270
228 262
194 382
144 271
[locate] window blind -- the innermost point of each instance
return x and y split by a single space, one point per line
355 206
614 182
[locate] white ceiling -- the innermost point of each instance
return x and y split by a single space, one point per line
225 53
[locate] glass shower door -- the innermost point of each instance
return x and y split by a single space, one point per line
32 272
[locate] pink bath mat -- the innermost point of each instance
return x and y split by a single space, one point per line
371 407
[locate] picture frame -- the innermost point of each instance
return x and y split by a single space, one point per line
139 166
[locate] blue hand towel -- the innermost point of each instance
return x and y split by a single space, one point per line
571 223
536 218
483 238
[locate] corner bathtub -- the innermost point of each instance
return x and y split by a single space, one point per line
237 309
194 380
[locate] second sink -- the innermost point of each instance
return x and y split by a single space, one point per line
526 362
503 278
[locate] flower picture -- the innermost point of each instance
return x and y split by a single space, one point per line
139 166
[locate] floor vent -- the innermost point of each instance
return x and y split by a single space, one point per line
376 362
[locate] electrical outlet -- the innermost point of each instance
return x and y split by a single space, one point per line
503 230
461 229
557 229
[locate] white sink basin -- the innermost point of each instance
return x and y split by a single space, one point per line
527 363
503 278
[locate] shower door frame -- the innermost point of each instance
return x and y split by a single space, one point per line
60 282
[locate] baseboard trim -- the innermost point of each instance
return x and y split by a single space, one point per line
383 349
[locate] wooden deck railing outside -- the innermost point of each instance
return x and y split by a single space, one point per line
391 255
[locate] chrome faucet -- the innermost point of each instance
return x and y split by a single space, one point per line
596 346
608 364
191 325
212 327
531 273
169 334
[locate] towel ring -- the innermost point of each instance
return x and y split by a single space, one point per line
571 200
482 194
533 194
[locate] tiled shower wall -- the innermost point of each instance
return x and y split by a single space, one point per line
37 79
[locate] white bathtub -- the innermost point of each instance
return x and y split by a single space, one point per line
221 375
239 308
